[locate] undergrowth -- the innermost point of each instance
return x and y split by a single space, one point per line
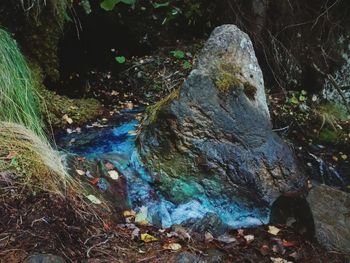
19 102
37 6
25 150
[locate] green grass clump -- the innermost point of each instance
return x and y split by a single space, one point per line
19 102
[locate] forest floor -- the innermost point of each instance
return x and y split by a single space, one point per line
45 223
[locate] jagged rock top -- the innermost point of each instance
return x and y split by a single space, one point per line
228 45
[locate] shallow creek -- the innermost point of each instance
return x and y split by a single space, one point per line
117 145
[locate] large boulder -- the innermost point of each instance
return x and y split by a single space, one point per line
213 136
331 213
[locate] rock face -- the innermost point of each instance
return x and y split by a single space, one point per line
331 212
213 136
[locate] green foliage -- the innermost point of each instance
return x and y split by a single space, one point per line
178 54
186 65
19 102
159 5
109 5
120 59
328 136
298 97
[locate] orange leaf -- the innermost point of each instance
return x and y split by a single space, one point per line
95 181
286 243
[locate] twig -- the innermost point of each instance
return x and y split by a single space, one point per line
37 220
97 245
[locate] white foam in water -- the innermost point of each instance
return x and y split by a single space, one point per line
141 193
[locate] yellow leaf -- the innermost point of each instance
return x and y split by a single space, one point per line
129 213
273 230
172 246
148 238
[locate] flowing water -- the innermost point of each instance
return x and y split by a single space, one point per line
117 144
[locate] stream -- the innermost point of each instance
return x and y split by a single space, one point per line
117 145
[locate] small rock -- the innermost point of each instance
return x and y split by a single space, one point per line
44 258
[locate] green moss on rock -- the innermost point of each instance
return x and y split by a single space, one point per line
153 111
227 78
42 32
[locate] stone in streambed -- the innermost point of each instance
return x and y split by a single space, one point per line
213 136
331 214
44 258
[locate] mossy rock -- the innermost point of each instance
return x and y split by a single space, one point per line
228 78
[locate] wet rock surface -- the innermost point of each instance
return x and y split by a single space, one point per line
44 258
213 136
331 213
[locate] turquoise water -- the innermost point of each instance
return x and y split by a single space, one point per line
117 144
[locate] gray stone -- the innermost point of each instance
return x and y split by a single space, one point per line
186 257
331 212
213 136
44 258
209 223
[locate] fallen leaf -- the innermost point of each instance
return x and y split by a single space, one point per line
113 174
148 238
172 234
141 216
273 230
67 119
95 181
89 175
279 260
208 237
93 199
80 172
129 213
172 246
286 243
226 239
249 238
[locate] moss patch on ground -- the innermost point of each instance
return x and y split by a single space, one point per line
57 108
60 108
